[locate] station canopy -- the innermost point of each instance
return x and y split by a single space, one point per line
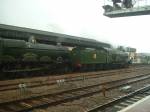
15 32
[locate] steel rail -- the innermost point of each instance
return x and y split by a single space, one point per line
67 79
65 96
119 100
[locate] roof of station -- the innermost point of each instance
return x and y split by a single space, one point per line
8 31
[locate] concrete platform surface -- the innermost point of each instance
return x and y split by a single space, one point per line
140 106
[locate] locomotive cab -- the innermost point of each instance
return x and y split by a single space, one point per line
88 58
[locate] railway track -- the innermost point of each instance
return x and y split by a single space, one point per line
37 83
17 74
122 102
27 104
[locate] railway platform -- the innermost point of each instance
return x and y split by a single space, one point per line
140 106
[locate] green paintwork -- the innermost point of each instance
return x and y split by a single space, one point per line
12 50
88 56
98 56
18 48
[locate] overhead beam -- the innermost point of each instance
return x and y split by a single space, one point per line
145 10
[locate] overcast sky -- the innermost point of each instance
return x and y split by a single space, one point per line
79 18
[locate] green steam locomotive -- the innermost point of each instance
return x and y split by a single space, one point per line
17 55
